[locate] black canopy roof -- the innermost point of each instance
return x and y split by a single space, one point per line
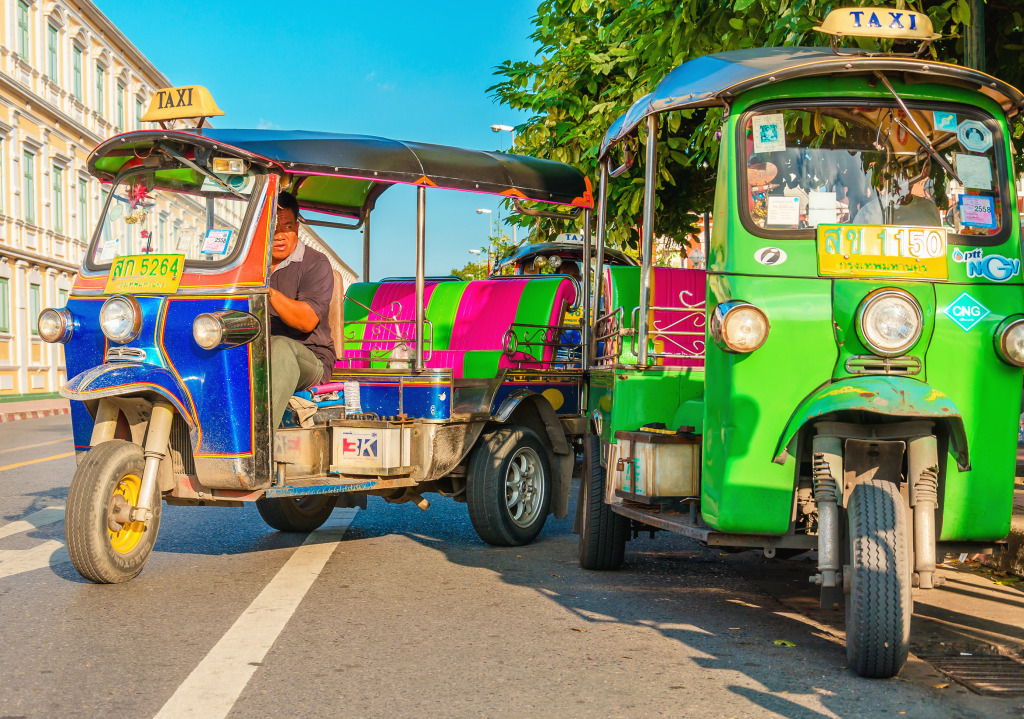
713 79
345 174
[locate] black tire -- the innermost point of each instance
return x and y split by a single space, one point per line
296 514
489 493
879 604
97 552
603 533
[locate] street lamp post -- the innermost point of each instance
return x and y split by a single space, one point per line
490 234
501 148
476 252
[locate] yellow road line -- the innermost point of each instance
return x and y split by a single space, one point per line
39 444
36 461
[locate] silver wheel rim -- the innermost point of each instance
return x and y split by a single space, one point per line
524 487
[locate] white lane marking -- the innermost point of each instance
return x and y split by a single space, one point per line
47 515
47 553
214 686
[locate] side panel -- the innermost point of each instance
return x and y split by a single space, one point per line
629 399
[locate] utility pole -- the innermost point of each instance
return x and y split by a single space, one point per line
974 37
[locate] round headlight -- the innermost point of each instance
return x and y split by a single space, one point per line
207 331
1010 341
739 327
121 319
889 322
54 325
554 262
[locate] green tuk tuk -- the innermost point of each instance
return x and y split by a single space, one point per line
845 376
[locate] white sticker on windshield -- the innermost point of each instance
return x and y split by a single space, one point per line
216 242
974 136
783 211
769 133
242 184
109 251
822 208
974 170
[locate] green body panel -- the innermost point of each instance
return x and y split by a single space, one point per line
441 310
628 399
752 399
886 396
480 364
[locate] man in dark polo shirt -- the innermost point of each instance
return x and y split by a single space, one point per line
301 285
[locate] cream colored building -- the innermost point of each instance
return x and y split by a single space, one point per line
68 80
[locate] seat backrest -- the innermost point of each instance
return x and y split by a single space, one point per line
622 289
677 305
336 313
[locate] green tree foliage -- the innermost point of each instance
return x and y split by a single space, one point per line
501 246
596 57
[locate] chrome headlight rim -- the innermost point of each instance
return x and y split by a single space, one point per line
66 321
234 328
1002 332
208 316
720 316
876 296
136 318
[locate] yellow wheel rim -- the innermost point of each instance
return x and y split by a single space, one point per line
131 534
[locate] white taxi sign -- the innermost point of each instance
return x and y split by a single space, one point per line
878 22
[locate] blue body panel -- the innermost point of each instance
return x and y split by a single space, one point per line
213 389
564 396
426 397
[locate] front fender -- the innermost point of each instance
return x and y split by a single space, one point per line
121 378
888 396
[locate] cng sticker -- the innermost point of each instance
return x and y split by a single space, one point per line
966 312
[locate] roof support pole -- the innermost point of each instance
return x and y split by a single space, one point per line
647 239
602 231
421 251
366 247
587 288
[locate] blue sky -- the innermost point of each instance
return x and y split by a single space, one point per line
406 70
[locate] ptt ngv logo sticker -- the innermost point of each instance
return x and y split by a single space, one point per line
770 256
992 267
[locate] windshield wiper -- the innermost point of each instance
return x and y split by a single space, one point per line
920 135
201 170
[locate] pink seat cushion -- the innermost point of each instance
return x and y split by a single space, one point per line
676 288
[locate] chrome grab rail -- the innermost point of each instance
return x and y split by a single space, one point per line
608 329
538 338
377 334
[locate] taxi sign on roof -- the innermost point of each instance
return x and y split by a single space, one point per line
174 103
880 22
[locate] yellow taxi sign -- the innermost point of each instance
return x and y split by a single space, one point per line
175 103
878 22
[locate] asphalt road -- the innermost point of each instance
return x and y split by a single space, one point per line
396 612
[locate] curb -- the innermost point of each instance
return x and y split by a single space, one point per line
33 414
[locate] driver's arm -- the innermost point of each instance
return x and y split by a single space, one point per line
294 313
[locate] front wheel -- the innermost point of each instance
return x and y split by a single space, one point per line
102 549
879 603
301 514
603 533
508 491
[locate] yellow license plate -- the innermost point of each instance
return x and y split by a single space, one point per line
882 251
158 274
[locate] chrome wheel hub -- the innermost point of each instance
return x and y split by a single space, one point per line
524 487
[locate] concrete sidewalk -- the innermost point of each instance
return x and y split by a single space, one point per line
14 411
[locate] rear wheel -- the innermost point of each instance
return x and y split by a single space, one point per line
108 480
508 489
879 603
603 533
296 514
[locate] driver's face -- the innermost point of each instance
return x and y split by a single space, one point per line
286 235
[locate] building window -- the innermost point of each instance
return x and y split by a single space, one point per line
62 298
23 29
57 205
83 205
34 301
5 305
51 53
120 106
76 71
28 190
138 114
100 82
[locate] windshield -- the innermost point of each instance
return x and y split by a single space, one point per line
178 212
839 164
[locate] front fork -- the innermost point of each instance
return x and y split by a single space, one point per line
158 434
827 468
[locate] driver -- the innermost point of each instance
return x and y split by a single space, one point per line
570 268
301 285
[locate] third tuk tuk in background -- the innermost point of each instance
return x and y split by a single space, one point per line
845 376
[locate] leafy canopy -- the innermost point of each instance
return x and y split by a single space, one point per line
596 57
